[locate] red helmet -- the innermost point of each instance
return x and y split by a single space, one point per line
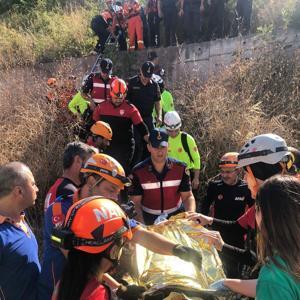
118 88
92 225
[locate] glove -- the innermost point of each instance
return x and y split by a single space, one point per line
188 254
130 292
129 209
219 288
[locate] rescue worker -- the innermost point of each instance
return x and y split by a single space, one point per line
96 88
228 198
19 261
75 155
104 176
134 24
102 26
183 147
144 94
166 98
78 104
261 157
190 10
161 185
121 115
88 260
168 12
153 21
101 136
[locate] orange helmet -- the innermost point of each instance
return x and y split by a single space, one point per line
229 160
92 225
108 168
51 81
103 129
118 88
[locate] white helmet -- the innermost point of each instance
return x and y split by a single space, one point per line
172 120
267 148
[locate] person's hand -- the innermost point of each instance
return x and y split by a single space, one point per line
158 121
181 12
213 238
188 254
130 292
219 287
200 218
195 183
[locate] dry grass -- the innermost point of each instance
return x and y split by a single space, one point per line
246 99
30 132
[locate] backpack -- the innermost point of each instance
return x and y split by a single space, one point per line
185 145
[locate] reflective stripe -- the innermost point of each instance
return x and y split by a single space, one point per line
156 185
101 85
98 100
159 212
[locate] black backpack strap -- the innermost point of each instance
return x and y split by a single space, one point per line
186 146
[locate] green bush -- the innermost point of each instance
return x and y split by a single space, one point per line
46 35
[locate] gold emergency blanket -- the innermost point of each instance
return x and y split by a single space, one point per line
158 271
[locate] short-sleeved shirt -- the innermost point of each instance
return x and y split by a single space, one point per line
143 97
19 262
177 151
62 187
275 284
53 259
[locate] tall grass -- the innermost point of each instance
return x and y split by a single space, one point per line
248 98
43 35
53 29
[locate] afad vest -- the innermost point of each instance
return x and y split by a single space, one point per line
101 90
161 196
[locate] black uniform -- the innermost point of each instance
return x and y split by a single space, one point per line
143 97
228 202
191 17
170 12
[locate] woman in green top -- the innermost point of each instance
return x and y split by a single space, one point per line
278 220
278 243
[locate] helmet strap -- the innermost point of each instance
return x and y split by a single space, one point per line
255 187
91 188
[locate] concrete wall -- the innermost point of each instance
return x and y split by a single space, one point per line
196 60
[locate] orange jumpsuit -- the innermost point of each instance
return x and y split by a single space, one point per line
135 25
